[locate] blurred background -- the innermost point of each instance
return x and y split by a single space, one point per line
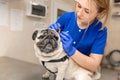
18 20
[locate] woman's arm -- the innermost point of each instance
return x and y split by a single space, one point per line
90 63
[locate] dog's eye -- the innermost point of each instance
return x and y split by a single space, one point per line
45 33
56 37
41 37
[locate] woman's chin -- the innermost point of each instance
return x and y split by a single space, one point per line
81 21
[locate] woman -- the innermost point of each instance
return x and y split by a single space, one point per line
83 35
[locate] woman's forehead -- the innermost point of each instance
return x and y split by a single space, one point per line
88 4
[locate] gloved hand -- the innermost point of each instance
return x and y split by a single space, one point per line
54 26
67 43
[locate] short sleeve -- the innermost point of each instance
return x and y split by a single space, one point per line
100 42
64 19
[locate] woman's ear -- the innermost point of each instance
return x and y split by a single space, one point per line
101 14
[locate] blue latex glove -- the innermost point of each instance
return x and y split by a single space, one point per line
54 26
67 43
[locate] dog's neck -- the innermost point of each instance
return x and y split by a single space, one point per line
57 56
60 53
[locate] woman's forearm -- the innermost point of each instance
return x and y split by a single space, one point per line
90 63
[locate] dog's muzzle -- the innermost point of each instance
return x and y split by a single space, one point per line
48 41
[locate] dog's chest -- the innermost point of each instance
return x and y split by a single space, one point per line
55 66
52 67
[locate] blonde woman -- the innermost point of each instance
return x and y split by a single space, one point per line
83 35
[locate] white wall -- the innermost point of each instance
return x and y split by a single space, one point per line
113 30
19 44
113 25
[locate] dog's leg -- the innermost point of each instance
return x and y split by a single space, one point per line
60 74
61 71
83 75
46 76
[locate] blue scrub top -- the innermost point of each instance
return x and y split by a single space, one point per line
87 41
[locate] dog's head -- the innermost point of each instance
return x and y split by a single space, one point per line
46 40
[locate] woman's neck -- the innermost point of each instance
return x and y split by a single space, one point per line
82 25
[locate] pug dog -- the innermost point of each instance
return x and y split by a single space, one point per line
48 48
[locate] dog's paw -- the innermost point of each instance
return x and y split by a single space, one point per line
45 78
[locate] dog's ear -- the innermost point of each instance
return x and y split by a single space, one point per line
58 30
34 34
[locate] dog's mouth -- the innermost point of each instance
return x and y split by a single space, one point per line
48 41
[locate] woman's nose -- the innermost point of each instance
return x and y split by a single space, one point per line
80 12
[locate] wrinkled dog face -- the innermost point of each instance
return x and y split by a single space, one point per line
46 40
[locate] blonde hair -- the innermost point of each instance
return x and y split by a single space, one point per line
103 7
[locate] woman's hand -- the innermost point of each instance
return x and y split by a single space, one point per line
67 43
54 26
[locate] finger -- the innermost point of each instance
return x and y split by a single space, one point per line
58 24
55 26
64 36
63 41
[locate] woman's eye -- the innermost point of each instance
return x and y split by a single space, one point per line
87 11
79 6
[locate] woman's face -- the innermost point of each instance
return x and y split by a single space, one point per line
86 11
